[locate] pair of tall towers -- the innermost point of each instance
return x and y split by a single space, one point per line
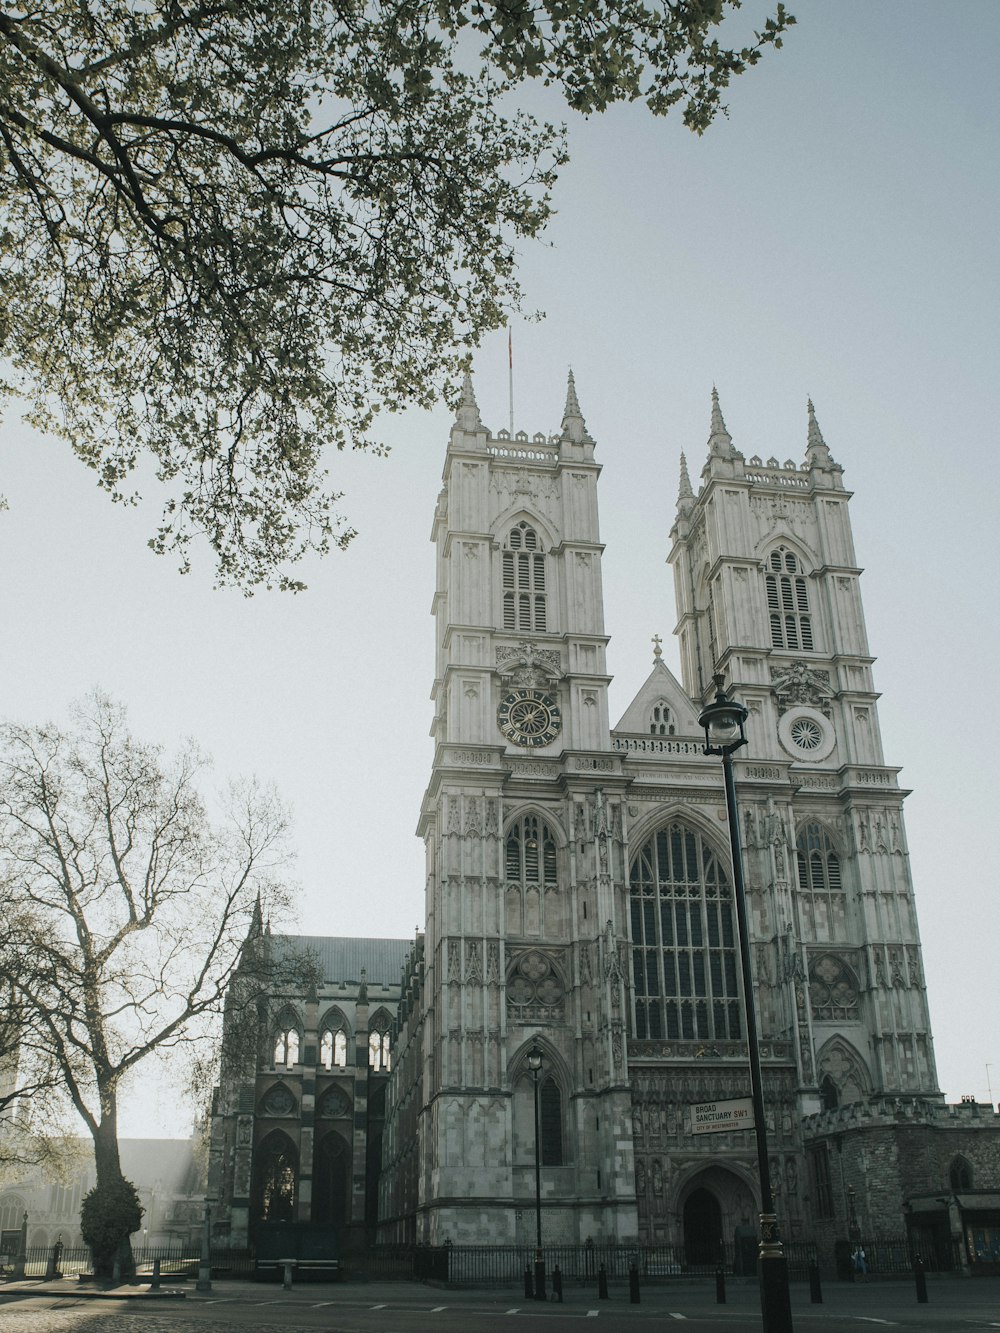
578 883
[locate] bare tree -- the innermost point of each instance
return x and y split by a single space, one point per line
139 905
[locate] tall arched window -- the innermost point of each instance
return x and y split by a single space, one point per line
530 852
523 580
276 1179
684 954
379 1042
287 1041
788 602
822 901
333 1041
550 1123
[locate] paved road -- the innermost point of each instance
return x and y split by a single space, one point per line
953 1307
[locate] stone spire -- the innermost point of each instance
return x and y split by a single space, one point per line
573 425
720 442
817 453
685 493
468 417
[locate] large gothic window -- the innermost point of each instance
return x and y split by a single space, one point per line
550 1123
333 1041
684 954
788 602
277 1169
523 580
822 901
661 722
286 1041
530 852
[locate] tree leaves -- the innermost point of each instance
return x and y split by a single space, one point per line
232 233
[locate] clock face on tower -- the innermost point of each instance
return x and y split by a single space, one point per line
529 717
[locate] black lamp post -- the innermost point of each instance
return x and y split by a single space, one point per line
724 722
535 1065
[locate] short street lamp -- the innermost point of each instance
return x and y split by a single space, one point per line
535 1065
724 722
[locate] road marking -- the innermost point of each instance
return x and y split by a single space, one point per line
678 1316
436 1309
870 1319
592 1314
319 1304
377 1307
516 1310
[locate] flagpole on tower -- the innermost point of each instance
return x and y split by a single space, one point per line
510 378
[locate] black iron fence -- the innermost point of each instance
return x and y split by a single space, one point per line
504 1265
176 1261
887 1256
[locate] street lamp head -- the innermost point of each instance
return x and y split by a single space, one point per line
724 722
535 1059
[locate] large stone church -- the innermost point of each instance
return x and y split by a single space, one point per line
579 901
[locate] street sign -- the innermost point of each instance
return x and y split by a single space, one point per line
711 1117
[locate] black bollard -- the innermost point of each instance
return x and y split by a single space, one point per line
921 1281
815 1290
557 1283
529 1289
633 1284
602 1283
720 1286
155 1283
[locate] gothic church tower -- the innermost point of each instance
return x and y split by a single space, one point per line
522 821
768 595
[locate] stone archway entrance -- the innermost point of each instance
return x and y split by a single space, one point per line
715 1207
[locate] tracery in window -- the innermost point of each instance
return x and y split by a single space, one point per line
960 1174
333 1041
379 1052
822 901
287 1043
661 722
684 954
833 988
277 1166
530 852
523 577
788 602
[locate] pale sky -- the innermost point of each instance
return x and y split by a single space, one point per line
835 238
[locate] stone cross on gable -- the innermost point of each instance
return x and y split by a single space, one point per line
657 650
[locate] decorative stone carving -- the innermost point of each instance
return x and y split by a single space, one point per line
279 1101
333 1104
798 685
527 666
534 989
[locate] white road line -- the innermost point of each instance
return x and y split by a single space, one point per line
436 1309
516 1310
678 1316
378 1307
870 1319
319 1304
592 1314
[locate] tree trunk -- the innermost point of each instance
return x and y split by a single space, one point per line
116 1204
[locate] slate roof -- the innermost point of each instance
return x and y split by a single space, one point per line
341 959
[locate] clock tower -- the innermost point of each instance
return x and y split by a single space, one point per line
522 822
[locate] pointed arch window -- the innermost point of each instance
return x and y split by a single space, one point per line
822 901
788 602
287 1043
530 852
523 576
960 1174
276 1183
333 1041
379 1043
661 721
684 945
550 1123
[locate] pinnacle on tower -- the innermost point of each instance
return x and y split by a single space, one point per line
573 425
685 491
817 453
467 416
720 442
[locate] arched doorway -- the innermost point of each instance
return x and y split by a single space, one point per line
331 1182
276 1178
702 1229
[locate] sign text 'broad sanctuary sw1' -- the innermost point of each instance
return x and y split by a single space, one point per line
710 1117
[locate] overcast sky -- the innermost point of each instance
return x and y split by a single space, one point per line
835 238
